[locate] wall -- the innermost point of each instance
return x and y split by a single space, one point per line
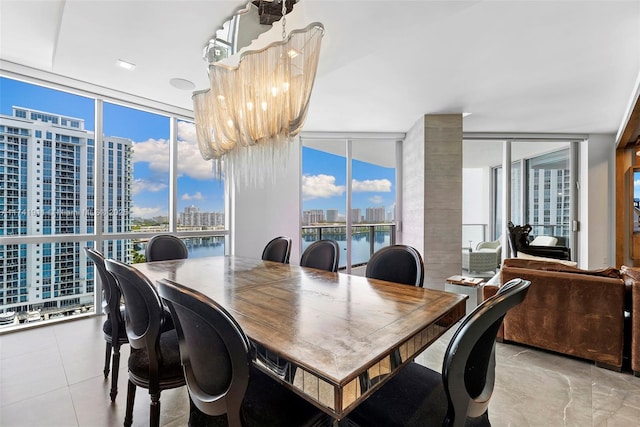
412 231
273 209
476 200
596 211
432 194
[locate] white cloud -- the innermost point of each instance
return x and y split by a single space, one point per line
142 212
371 185
320 186
140 185
197 196
376 200
153 151
190 162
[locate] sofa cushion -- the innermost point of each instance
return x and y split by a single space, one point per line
544 241
549 264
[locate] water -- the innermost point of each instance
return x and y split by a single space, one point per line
360 252
360 248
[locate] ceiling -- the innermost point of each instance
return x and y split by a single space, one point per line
518 66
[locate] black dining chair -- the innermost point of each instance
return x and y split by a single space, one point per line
113 327
163 247
278 250
222 382
322 254
419 396
154 362
397 263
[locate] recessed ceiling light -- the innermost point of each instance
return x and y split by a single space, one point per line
182 84
126 65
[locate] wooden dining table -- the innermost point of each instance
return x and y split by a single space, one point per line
332 338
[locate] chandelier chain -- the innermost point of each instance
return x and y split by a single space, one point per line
284 19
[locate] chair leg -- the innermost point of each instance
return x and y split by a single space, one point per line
154 410
131 397
114 372
107 360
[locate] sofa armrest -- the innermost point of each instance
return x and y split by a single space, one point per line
631 277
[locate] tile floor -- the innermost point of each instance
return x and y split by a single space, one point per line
52 376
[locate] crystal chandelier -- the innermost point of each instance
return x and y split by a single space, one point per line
251 111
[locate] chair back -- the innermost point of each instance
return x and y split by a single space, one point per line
322 254
468 370
164 247
397 263
144 313
110 292
217 374
278 250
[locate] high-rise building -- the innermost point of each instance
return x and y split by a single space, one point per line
312 216
356 215
332 215
47 187
192 217
375 215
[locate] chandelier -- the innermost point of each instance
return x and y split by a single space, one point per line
249 114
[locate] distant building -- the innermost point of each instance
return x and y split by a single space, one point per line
192 217
47 187
332 215
312 216
356 215
375 215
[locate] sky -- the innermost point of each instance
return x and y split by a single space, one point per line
324 174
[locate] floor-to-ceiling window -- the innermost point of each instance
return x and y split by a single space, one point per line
540 190
77 170
349 194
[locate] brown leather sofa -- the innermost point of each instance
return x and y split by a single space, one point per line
575 312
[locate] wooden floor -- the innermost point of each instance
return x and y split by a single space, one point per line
52 376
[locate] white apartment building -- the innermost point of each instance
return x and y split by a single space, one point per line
47 187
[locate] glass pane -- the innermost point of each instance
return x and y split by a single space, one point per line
324 194
373 197
549 201
200 193
42 281
46 187
137 169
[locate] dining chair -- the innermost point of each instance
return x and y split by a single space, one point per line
223 384
397 263
419 396
322 254
154 361
163 247
278 250
113 327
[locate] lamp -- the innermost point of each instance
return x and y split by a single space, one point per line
251 111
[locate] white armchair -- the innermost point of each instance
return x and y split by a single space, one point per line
486 257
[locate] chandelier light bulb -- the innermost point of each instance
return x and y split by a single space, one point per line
264 105
250 106
274 91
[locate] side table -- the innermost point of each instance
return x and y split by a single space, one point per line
470 286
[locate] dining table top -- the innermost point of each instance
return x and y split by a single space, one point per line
335 332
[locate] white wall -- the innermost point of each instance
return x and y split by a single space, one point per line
476 200
412 232
596 239
270 210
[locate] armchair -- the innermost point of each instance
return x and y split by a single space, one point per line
486 257
519 242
